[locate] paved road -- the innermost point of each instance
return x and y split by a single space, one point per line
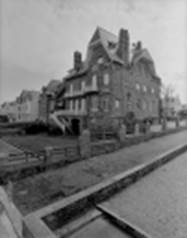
158 202
45 188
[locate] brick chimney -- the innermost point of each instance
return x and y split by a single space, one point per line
123 46
139 45
77 60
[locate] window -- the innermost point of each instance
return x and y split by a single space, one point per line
83 104
94 103
106 104
71 88
83 86
128 96
94 81
106 79
150 106
137 86
70 105
100 60
117 103
144 88
139 103
73 105
76 105
144 105
152 90
79 104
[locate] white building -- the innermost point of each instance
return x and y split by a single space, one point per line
171 106
24 108
28 105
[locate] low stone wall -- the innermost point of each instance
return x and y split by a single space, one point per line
103 147
52 157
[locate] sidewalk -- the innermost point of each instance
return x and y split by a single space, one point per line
157 203
40 190
6 148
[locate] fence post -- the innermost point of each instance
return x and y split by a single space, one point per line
85 144
137 129
147 127
122 133
48 153
177 122
164 124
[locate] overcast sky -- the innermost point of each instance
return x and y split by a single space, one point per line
38 37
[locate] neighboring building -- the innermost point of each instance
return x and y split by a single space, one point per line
27 106
171 106
10 109
109 86
47 99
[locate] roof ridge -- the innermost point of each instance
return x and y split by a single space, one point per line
105 30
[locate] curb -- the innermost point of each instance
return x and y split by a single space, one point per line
47 219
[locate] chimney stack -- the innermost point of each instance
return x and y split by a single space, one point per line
123 46
77 60
139 45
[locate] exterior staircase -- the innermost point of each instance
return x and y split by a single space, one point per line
61 121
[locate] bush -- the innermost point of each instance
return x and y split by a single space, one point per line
54 130
35 128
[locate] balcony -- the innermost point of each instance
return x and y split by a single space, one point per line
70 112
84 90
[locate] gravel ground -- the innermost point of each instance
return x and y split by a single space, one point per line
158 202
42 189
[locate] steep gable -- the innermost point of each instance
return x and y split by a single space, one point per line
109 42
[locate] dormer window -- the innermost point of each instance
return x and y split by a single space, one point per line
111 45
100 60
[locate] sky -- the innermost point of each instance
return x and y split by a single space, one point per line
38 38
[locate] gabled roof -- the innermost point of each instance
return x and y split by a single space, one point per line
106 38
142 54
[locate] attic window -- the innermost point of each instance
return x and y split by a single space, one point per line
111 45
100 60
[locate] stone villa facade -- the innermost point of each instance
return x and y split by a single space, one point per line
114 83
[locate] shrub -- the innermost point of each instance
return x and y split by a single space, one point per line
35 128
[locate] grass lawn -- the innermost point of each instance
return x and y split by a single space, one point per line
36 143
